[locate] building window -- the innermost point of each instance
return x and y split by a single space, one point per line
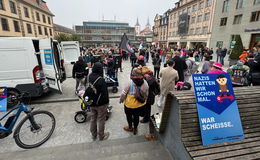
1 5
240 4
256 2
238 19
38 16
29 28
45 31
206 16
199 19
208 3
174 15
194 7
49 20
191 31
193 19
26 13
16 26
201 6
40 30
255 16
12 7
198 30
43 18
5 25
205 30
189 10
225 5
223 21
50 30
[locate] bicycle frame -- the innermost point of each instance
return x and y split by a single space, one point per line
20 108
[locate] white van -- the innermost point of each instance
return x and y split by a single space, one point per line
30 65
71 52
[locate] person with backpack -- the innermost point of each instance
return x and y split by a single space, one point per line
192 67
79 71
134 97
97 94
154 89
157 64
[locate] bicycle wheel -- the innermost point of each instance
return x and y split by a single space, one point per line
29 136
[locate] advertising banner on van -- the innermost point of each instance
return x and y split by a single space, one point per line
48 56
3 99
217 108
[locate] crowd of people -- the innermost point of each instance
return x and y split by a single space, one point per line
171 67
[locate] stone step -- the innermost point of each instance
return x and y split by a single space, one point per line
131 147
156 154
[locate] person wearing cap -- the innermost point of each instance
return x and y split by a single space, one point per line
216 68
168 77
132 106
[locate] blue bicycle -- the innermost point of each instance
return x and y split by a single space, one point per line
33 130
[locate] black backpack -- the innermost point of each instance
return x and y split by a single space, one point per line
91 92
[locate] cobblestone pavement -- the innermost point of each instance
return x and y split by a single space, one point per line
67 130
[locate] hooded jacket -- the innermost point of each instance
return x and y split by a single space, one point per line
100 85
79 70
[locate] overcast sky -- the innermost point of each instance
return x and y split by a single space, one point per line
74 12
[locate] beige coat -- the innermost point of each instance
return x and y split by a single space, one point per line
168 78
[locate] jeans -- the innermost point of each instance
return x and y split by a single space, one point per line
78 81
163 59
221 59
98 116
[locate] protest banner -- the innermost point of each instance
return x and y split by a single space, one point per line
217 108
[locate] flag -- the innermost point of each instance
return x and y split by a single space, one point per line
124 44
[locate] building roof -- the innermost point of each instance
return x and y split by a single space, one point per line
40 4
60 28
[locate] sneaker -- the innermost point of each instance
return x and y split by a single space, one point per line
106 135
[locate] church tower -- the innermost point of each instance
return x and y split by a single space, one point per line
137 28
148 24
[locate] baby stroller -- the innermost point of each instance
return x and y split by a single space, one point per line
81 116
239 74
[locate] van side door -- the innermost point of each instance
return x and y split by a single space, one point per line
50 64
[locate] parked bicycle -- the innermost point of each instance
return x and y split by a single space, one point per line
33 130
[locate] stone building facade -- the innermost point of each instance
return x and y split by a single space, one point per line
236 17
59 29
190 23
25 18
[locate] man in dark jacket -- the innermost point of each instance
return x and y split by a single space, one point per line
100 103
180 66
80 70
